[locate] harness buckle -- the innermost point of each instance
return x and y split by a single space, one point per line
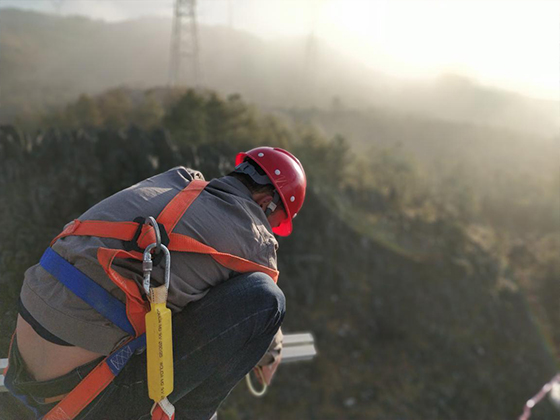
132 245
147 264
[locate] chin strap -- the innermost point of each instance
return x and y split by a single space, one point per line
262 179
273 204
248 169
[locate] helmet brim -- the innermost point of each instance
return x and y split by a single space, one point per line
284 229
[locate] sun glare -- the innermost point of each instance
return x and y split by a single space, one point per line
513 44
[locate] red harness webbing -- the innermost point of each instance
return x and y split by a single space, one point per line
83 394
136 306
173 212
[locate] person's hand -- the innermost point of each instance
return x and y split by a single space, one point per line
265 373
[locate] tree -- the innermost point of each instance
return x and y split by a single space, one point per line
84 113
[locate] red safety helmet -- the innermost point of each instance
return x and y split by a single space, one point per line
288 177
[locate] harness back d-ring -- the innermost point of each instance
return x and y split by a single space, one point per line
147 263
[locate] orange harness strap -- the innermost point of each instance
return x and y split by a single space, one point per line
125 231
169 217
173 212
102 229
177 242
136 306
184 243
83 394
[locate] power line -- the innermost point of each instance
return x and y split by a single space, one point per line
311 56
548 387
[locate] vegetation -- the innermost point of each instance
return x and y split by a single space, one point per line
426 257
49 60
417 302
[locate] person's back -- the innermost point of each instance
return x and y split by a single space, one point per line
60 335
221 217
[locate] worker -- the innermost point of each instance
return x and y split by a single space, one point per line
227 308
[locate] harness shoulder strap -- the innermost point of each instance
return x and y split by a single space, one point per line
184 243
173 212
171 215
125 231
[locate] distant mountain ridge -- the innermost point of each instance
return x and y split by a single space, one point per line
47 61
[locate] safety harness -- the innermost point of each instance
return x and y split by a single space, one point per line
130 317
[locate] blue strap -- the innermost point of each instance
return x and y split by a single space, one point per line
87 290
117 360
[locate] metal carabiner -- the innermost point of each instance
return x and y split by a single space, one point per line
147 265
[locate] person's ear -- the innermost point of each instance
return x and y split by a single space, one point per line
263 201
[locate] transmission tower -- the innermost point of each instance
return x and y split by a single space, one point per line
184 63
57 5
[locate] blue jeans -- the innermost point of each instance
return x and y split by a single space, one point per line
216 342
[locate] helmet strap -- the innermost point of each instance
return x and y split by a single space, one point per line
272 205
248 169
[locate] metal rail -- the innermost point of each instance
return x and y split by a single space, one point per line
3 365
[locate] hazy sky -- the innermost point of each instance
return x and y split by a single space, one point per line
513 44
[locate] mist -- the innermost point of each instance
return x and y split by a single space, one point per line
426 258
408 39
74 55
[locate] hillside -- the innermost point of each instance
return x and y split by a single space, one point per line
437 334
425 260
48 60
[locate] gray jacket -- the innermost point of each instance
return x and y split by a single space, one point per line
224 217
